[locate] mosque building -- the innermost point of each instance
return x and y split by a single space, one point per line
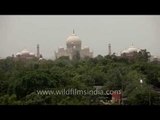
74 49
25 54
130 52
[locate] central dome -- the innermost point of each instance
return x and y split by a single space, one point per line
73 39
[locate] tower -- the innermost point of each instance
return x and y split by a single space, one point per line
38 53
109 49
55 54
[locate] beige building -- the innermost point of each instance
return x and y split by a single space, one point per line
25 54
130 52
133 52
74 49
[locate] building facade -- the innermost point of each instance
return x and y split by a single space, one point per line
25 54
130 52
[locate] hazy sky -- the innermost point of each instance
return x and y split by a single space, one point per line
18 32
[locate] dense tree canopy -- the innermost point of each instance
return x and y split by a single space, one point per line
20 80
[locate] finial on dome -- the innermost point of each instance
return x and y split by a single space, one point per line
132 43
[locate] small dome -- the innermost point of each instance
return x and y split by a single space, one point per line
132 49
31 54
124 51
18 53
24 52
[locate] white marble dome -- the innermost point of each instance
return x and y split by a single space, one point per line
18 53
32 54
24 52
132 49
125 51
73 39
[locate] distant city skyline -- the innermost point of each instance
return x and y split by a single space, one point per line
18 32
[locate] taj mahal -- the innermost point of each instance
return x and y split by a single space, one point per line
74 49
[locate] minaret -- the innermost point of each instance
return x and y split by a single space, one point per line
55 54
38 53
109 49
73 31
